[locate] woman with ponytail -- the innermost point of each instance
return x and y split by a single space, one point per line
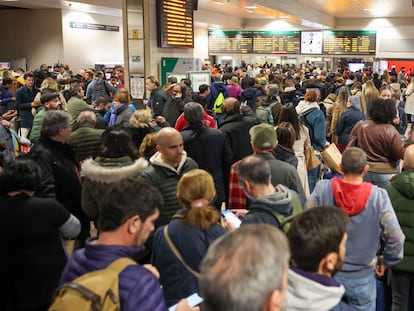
179 247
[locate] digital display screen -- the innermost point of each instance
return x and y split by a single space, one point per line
176 23
254 42
349 42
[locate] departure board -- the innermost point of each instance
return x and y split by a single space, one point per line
254 42
349 42
176 24
265 42
230 42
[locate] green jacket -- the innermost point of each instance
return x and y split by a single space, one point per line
75 106
100 174
37 125
85 140
165 178
401 193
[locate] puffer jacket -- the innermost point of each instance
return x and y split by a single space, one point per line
401 193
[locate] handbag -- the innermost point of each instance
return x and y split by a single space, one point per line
177 253
312 160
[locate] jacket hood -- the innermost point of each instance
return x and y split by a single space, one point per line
157 160
308 295
404 184
351 198
220 87
106 170
280 201
304 106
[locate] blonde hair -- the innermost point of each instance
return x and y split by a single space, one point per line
195 185
49 83
234 80
148 145
141 118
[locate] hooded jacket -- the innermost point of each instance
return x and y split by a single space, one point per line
215 89
401 192
280 202
100 174
311 292
347 122
371 218
250 95
315 121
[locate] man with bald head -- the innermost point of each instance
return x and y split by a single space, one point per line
166 167
235 128
401 193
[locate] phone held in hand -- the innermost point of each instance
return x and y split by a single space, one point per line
231 217
193 300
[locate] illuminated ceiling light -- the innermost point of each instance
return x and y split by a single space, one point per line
250 11
219 2
253 7
284 17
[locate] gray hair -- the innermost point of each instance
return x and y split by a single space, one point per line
354 160
255 170
87 116
193 112
242 268
54 121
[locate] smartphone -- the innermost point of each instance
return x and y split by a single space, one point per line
231 217
193 300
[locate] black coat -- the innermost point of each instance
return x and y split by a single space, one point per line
236 130
60 177
209 148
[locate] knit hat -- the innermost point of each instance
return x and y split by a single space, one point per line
263 136
48 96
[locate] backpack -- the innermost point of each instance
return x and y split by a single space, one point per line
218 102
284 221
264 113
93 291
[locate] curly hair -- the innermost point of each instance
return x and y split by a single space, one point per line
382 111
141 118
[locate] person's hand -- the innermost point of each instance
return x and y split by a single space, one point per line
9 114
381 267
160 120
228 225
153 270
184 306
240 213
5 123
396 120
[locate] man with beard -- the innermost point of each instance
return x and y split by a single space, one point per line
371 219
317 239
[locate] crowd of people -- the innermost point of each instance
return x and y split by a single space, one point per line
92 179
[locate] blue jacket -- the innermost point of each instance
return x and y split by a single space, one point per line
250 95
215 89
24 99
346 123
6 98
192 243
97 88
316 121
138 288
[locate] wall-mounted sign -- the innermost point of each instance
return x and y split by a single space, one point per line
90 26
175 23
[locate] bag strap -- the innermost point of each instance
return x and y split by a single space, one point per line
177 253
120 264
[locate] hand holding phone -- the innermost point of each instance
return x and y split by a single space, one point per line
231 218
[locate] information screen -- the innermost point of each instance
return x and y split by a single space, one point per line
254 42
349 42
176 24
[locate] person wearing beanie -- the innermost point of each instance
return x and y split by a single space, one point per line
50 100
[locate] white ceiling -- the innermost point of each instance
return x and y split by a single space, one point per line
321 11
